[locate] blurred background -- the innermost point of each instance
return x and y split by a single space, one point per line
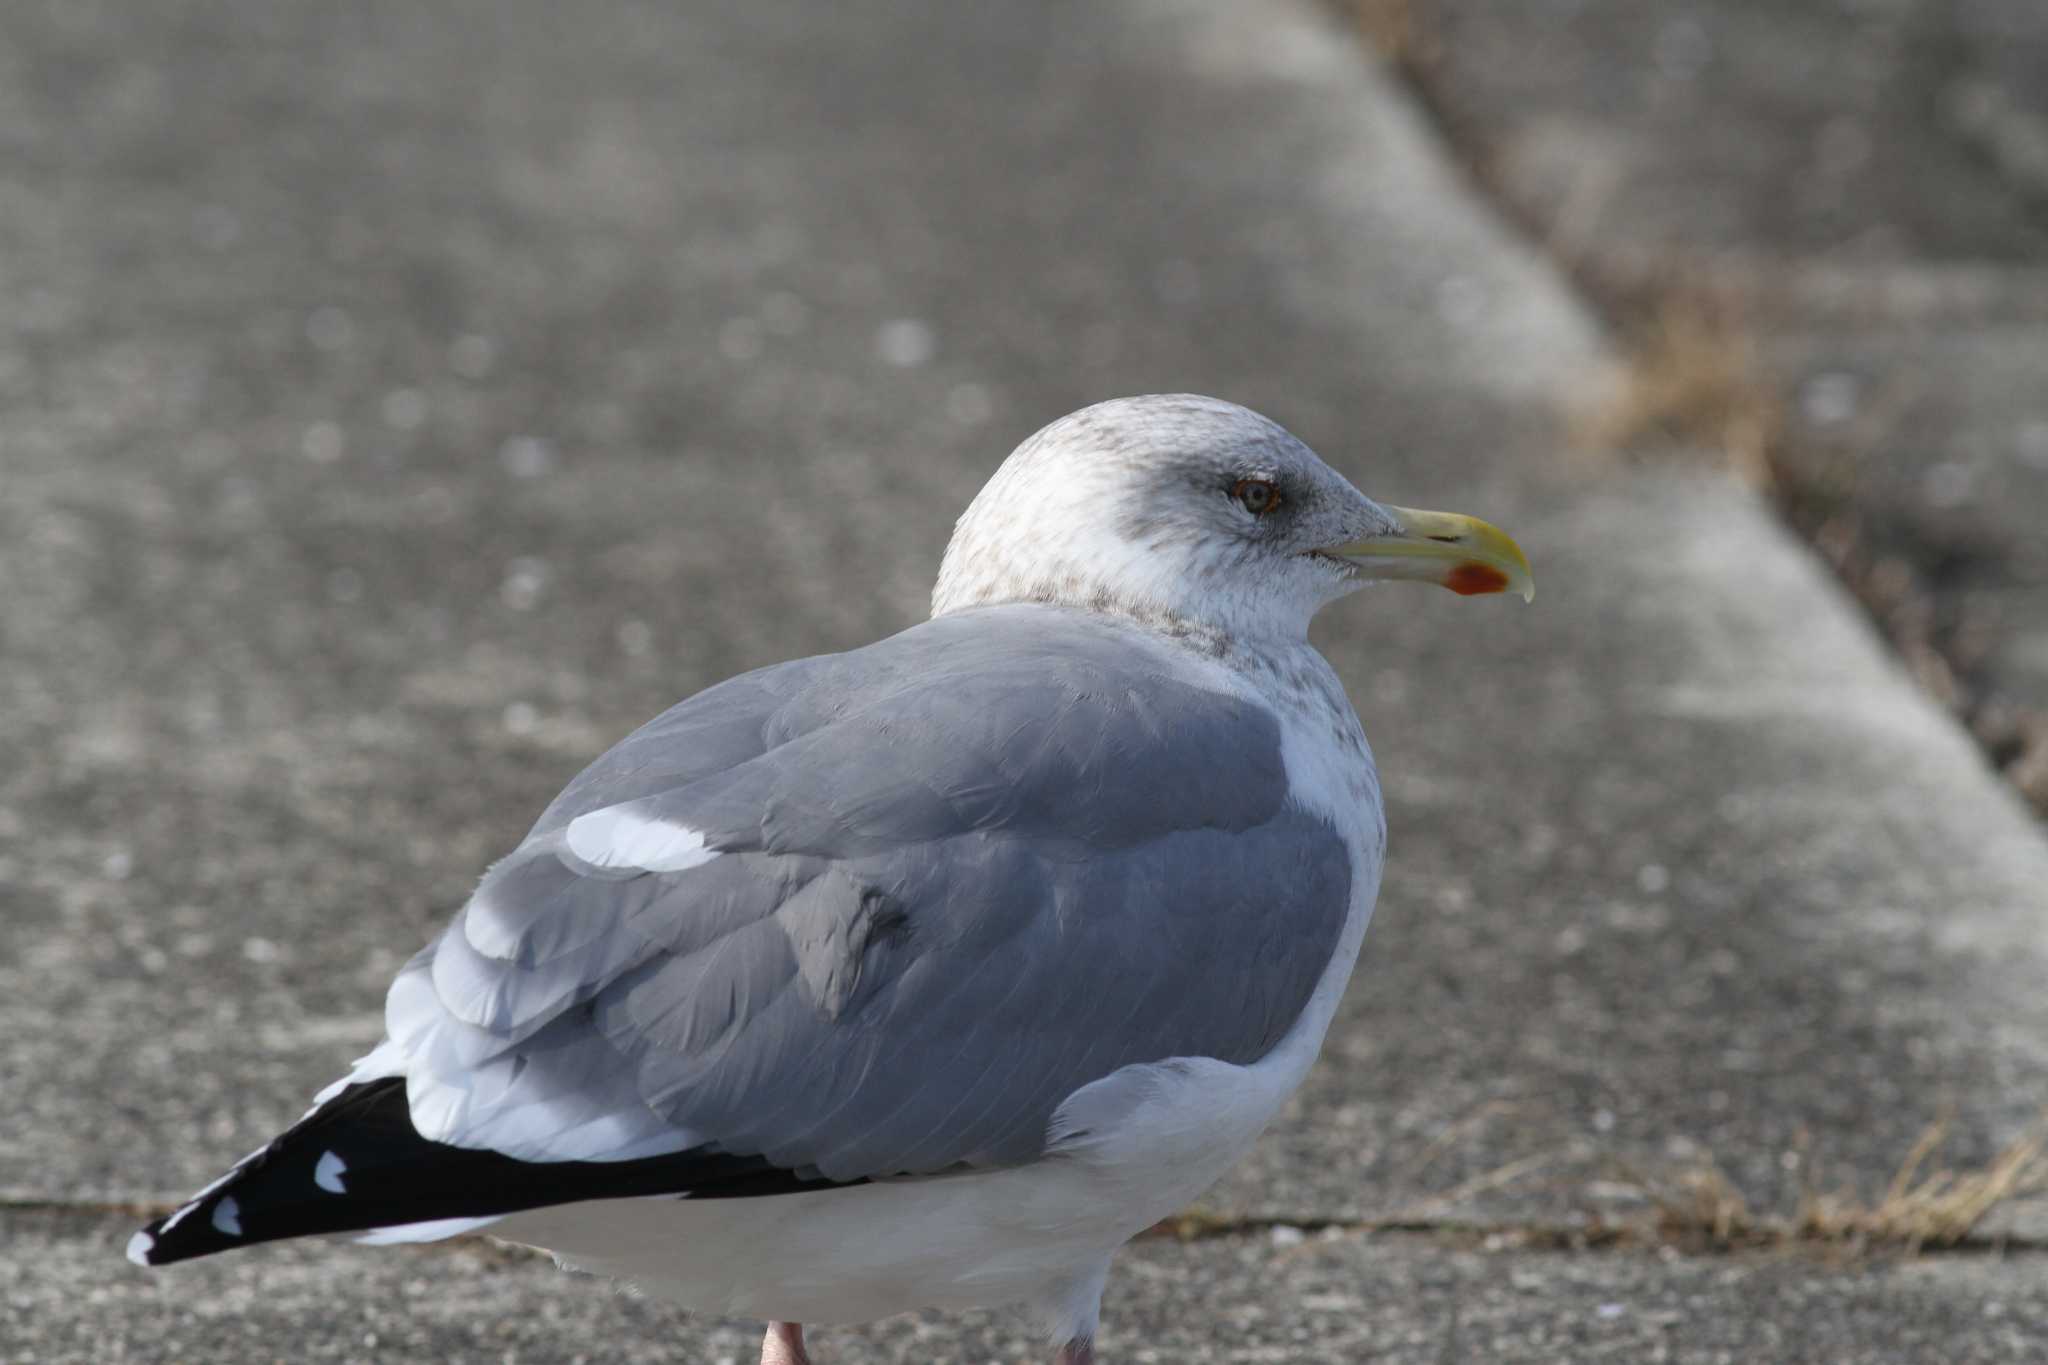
1823 231
400 402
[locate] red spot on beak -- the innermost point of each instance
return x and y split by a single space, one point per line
1472 578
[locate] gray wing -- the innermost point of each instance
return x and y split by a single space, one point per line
881 912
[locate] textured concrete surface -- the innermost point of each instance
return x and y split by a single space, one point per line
402 403
583 367
1746 891
1862 190
1897 131
1276 1297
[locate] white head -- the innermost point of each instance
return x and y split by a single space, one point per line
1179 506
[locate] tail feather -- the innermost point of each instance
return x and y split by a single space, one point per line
356 1164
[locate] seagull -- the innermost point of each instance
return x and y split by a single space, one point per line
925 975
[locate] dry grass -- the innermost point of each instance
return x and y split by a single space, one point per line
1455 1133
1922 1206
1389 25
1691 381
1485 1183
1699 1210
2029 772
1700 1204
1935 1207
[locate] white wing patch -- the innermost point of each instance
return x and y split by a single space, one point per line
227 1217
619 837
327 1175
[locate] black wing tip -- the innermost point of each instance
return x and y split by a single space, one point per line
356 1163
180 1238
208 1222
286 1182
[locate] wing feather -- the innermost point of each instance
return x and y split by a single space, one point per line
880 913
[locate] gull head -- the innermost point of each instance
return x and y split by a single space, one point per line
1179 507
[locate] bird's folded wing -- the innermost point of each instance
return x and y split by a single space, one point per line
880 913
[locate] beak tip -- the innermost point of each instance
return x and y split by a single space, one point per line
1469 556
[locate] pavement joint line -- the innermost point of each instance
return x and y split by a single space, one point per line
1197 1225
1917 1213
1618 1236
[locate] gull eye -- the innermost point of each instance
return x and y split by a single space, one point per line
1258 496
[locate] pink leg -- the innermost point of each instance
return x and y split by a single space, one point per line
1076 1353
784 1345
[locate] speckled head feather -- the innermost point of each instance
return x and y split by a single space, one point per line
1134 506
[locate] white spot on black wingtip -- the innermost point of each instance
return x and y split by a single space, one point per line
327 1174
227 1217
192 1205
139 1247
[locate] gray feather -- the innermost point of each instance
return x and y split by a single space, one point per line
960 874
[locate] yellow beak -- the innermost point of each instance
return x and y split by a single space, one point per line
1462 553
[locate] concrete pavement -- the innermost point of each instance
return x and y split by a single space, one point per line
1391 1299
403 403
1852 202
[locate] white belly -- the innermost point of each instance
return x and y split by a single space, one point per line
1029 1236
842 1255
1141 1144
